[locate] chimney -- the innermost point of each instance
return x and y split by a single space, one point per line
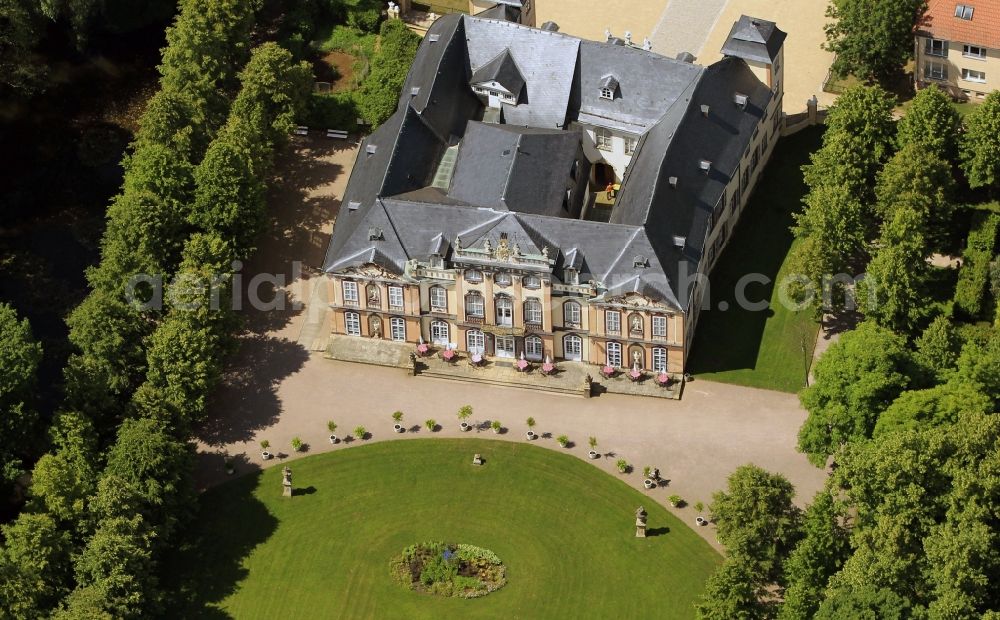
704 110
679 241
740 99
673 182
705 165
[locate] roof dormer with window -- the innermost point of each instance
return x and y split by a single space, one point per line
609 87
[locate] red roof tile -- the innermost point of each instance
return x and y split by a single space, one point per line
983 29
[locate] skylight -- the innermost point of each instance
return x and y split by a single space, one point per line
964 11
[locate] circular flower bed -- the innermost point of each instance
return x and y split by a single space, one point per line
449 569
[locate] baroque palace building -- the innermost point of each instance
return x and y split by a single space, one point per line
469 218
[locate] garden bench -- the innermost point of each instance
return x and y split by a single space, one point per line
339 134
302 130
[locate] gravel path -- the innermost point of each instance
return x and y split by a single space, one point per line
684 26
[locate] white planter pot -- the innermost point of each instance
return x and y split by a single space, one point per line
530 435
496 431
649 484
701 521
266 455
398 428
465 426
593 454
333 439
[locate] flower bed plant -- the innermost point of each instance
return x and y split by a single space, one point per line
448 569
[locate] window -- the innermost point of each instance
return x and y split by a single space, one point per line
533 311
395 296
571 276
607 93
439 332
439 299
964 11
373 296
659 359
473 275
502 278
754 160
475 305
397 329
475 341
351 293
935 70
746 179
614 354
533 348
763 143
603 138
505 311
352 321
973 76
612 321
974 51
573 347
630 145
660 327
531 282
571 313
935 47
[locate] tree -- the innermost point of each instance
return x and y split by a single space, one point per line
865 112
20 355
34 563
893 293
62 480
980 146
872 39
378 96
916 178
865 603
937 406
932 123
843 161
273 91
21 71
937 349
979 364
733 592
818 556
757 520
855 380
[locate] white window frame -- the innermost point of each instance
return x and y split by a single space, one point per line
934 70
439 299
505 346
473 275
531 282
572 313
573 347
350 289
534 348
612 322
440 332
504 311
607 93
630 144
659 326
396 297
964 11
533 311
659 359
967 76
603 138
967 52
503 278
475 341
397 329
936 47
475 304
352 323
614 354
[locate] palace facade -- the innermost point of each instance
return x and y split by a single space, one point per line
470 217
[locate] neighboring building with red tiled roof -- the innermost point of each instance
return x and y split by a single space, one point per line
958 47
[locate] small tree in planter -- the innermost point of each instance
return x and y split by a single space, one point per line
699 506
563 440
264 454
531 428
360 432
496 426
332 427
431 424
646 471
593 447
622 466
464 413
296 444
676 501
397 417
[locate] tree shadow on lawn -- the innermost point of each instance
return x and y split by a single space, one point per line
230 523
731 338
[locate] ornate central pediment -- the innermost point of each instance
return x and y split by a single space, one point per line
638 300
371 271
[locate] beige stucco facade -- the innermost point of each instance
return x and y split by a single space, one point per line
966 71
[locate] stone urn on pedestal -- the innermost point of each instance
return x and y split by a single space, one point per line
640 522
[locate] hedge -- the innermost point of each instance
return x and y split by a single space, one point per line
975 272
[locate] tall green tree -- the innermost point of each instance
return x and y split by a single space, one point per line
980 146
34 566
918 179
855 380
938 406
63 480
865 112
932 123
734 592
20 355
936 350
872 39
866 603
22 72
378 96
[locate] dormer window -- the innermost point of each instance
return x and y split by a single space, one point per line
436 261
740 100
607 93
571 276
964 11
705 165
608 87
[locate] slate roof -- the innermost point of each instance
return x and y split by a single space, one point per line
519 193
982 30
755 39
502 11
502 70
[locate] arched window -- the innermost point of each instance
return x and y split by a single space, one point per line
352 323
502 278
475 341
531 282
614 354
475 305
533 348
505 311
533 312
473 275
571 313
573 347
397 329
440 332
659 359
439 299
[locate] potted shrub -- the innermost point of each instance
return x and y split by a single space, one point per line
663 380
264 454
699 506
548 367
397 416
332 427
607 372
593 447
522 364
230 468
495 425
477 359
635 374
622 466
646 471
448 355
531 429
422 349
700 520
649 483
464 413
296 444
360 432
431 424
676 501
563 440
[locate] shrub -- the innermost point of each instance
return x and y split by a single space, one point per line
593 443
265 444
676 500
397 416
365 20
975 273
449 570
332 111
563 440
331 426
531 422
360 432
296 444
465 412
700 507
622 465
431 424
646 471
495 425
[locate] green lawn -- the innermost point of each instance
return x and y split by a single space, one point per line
760 348
564 529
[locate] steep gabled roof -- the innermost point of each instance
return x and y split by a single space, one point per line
754 39
983 29
502 70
